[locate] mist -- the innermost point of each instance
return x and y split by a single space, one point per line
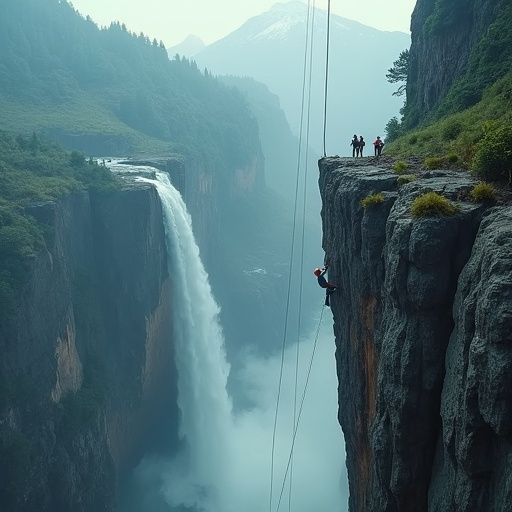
241 478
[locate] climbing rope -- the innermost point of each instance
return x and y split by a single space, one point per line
301 405
292 252
327 69
303 235
296 417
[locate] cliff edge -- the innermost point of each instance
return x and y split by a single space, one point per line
423 340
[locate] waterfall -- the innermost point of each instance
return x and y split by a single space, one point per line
206 408
224 463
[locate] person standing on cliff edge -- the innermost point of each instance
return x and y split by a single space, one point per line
355 146
329 287
378 144
362 144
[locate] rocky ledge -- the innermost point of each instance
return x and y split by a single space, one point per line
423 338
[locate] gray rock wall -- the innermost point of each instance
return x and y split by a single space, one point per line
393 322
473 464
86 353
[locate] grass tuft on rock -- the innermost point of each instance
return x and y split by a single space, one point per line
432 204
400 167
405 178
372 200
483 192
434 162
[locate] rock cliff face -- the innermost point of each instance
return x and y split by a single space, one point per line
442 36
423 341
473 463
87 352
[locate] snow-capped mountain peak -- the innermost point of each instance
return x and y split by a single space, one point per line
279 29
270 48
279 21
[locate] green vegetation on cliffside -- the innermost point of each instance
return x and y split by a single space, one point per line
489 61
468 120
112 91
462 132
33 170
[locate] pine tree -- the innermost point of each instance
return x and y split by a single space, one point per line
399 72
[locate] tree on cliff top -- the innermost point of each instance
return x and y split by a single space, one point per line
399 71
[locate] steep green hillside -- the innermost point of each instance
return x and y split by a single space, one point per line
108 88
459 132
102 92
80 124
470 123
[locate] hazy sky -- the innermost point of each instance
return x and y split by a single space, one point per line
172 20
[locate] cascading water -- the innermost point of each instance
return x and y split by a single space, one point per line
205 406
224 461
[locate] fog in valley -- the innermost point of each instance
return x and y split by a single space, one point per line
318 470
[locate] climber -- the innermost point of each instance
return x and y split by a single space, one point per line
329 287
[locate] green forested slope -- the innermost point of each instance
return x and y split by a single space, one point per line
62 74
63 77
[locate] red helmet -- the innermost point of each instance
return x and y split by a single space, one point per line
317 272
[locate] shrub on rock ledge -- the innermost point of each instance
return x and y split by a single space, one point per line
432 204
493 153
482 192
400 167
433 162
405 178
372 199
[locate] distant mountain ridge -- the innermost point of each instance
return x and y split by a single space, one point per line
270 48
191 45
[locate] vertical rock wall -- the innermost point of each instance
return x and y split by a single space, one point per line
86 353
473 465
393 322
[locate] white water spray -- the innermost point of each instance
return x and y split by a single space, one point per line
201 362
